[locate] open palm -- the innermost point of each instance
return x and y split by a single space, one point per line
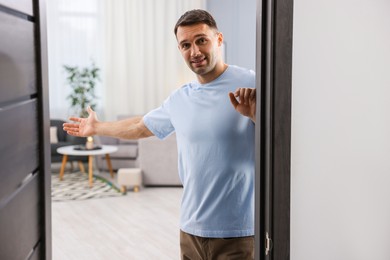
84 126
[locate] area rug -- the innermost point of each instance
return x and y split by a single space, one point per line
74 186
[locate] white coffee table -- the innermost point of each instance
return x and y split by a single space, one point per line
70 150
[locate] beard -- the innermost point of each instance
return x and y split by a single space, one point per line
201 66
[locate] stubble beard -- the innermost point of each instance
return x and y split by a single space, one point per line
200 71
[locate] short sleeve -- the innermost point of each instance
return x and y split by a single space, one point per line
158 121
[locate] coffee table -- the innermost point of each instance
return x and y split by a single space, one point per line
70 150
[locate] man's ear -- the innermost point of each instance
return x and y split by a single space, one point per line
220 38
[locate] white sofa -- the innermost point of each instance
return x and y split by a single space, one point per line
125 157
158 161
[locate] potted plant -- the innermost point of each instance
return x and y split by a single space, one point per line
83 82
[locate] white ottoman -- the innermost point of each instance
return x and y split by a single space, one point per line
129 177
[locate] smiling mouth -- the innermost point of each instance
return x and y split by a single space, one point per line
198 62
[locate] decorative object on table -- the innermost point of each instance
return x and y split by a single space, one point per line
89 144
83 82
83 148
76 187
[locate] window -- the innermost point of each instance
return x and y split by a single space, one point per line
75 37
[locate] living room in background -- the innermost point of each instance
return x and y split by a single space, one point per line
128 40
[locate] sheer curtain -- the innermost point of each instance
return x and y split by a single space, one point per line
75 37
142 62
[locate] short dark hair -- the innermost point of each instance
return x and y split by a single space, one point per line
196 16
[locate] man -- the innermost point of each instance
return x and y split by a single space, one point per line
214 125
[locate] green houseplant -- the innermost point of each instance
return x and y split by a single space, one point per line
83 82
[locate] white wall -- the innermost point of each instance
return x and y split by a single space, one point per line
340 208
237 22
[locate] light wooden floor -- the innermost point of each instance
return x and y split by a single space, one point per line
143 225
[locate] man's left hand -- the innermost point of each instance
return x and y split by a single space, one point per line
244 102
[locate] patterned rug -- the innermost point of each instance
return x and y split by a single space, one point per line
75 186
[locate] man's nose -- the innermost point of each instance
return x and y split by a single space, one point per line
194 50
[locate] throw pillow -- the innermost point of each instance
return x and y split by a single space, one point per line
53 135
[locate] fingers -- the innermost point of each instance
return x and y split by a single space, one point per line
70 125
73 133
245 95
233 100
68 128
71 128
252 95
89 110
75 119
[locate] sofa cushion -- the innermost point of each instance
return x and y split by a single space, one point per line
53 135
61 135
126 151
158 161
101 140
127 141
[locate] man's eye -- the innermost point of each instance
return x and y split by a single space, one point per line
185 46
202 41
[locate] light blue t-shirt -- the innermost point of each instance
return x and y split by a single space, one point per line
216 154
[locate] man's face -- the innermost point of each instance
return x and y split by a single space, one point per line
199 46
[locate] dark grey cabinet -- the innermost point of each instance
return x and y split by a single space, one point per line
25 196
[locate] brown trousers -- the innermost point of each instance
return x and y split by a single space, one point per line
200 248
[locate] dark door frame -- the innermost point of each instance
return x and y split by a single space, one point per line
44 118
274 20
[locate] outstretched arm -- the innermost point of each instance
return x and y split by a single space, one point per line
132 128
246 102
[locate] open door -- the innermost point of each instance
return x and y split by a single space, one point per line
273 128
25 193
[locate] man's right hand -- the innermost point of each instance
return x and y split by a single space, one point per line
84 126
